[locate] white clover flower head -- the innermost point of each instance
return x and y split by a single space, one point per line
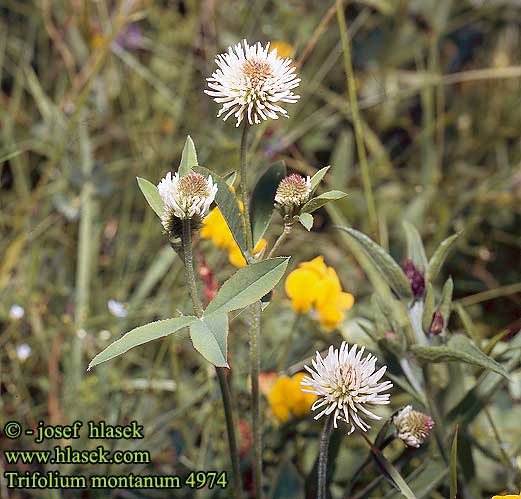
347 385
23 351
117 309
251 81
186 197
293 191
413 426
16 312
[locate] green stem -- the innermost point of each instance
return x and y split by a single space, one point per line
506 459
188 259
433 409
322 457
221 371
359 134
86 241
288 343
244 186
254 311
255 395
285 233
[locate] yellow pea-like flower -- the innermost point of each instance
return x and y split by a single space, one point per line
235 255
316 286
284 49
216 229
287 400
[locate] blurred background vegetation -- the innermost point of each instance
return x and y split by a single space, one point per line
95 93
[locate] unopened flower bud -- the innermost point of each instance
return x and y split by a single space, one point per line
185 198
437 323
292 193
413 427
415 278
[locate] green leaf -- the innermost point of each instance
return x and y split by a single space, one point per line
188 157
227 203
468 324
390 472
415 249
458 349
439 256
424 479
454 466
319 201
446 301
428 308
317 178
287 482
389 269
229 178
263 199
247 285
152 196
142 334
306 220
492 342
209 336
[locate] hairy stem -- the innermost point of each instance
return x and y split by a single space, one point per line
244 186
255 310
221 371
254 325
325 437
285 233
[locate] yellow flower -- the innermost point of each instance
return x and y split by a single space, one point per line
287 400
216 229
283 49
235 255
98 41
315 285
302 404
508 497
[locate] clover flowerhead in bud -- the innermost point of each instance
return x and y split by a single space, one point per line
251 81
413 427
292 193
185 198
347 385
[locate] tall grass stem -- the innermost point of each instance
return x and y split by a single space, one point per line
357 122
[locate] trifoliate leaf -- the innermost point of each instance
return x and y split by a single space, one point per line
140 335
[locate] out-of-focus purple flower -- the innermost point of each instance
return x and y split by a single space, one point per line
130 37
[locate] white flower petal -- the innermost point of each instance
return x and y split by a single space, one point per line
347 384
250 79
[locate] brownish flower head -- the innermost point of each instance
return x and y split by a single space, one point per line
293 191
